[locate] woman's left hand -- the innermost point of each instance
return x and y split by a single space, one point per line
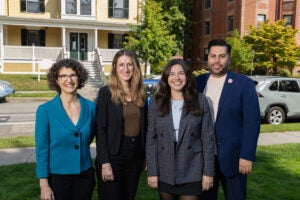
207 182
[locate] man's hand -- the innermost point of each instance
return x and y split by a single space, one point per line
245 166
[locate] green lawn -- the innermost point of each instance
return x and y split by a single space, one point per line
276 176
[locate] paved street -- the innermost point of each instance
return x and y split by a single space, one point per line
17 116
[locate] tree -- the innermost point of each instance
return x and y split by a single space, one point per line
241 54
174 16
151 40
274 45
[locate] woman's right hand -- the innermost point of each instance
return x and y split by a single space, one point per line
107 172
153 182
47 193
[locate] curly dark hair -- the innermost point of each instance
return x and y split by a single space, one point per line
76 66
190 94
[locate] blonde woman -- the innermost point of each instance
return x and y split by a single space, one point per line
121 118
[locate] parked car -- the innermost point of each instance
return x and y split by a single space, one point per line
151 86
279 98
5 89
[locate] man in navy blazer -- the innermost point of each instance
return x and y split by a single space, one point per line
235 109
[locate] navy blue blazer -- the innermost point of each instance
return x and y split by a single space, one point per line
237 123
110 125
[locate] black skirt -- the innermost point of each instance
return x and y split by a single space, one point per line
193 188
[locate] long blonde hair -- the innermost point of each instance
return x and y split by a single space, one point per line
137 90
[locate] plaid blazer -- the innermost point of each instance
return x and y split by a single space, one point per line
194 153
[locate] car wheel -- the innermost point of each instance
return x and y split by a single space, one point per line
275 115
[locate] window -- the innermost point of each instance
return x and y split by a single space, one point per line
230 23
207 4
32 6
274 86
260 19
33 37
289 20
115 41
290 86
206 54
118 8
71 6
207 28
85 7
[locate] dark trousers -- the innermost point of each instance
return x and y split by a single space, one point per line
73 187
234 187
127 167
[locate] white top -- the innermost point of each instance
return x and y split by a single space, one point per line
176 115
213 91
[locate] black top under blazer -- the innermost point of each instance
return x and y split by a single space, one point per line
194 156
110 126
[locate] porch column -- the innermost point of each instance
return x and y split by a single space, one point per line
96 38
64 42
1 42
1 49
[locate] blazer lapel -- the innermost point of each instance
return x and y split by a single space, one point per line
225 92
182 126
61 114
84 110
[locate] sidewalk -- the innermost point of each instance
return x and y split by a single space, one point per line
27 155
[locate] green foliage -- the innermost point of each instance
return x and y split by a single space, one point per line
174 16
241 54
199 72
284 72
274 45
151 40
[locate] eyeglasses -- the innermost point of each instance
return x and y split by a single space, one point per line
65 77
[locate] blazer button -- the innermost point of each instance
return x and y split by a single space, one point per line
162 135
76 134
162 148
189 147
76 147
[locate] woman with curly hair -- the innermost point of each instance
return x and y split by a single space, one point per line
180 142
65 128
121 127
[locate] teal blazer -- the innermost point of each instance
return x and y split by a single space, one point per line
61 146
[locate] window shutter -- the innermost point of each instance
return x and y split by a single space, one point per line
42 6
110 41
42 38
110 8
23 5
23 37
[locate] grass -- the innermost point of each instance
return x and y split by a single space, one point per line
28 85
268 128
28 141
276 176
23 82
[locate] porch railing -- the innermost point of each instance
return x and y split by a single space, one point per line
32 53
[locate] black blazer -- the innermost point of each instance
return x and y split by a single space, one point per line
110 125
